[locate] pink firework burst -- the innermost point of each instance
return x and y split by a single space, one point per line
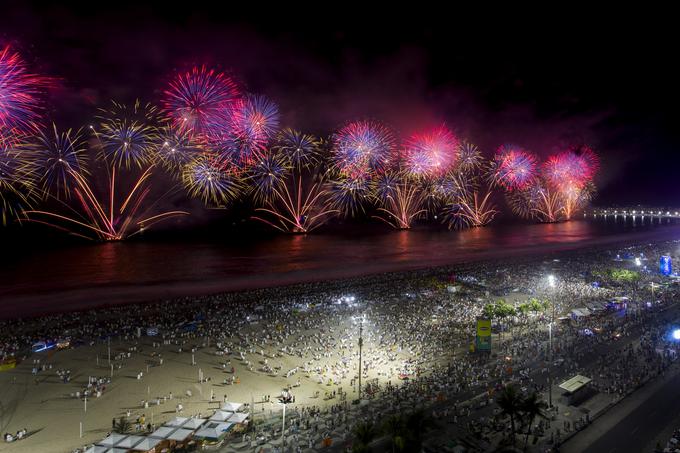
21 97
431 153
513 167
201 100
573 168
363 146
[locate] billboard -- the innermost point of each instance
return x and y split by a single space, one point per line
665 265
483 337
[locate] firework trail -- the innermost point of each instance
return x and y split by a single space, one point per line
469 204
537 202
363 147
201 101
432 153
212 179
513 168
399 201
21 98
109 218
54 157
128 134
298 205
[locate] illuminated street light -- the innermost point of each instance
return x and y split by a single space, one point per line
676 334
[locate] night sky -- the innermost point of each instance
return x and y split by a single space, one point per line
535 78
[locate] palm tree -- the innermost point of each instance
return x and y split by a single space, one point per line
532 406
123 426
510 403
394 426
416 425
365 432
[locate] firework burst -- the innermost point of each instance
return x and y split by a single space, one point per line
363 147
212 179
348 195
21 98
175 148
432 153
267 175
300 150
252 125
202 101
128 133
469 157
513 168
17 182
55 156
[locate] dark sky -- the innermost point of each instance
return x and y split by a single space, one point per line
537 78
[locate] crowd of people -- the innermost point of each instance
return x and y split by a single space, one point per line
415 330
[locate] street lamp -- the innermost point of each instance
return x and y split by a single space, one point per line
361 344
551 283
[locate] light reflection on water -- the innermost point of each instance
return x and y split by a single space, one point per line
120 272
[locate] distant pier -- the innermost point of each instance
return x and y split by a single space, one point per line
635 214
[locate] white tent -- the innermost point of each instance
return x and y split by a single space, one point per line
221 416
147 444
194 423
163 432
177 421
112 440
129 442
97 449
213 431
180 434
231 406
238 417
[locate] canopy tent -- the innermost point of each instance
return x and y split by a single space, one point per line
180 434
231 406
575 384
163 432
147 444
238 417
112 440
194 423
213 431
177 421
221 416
129 441
97 449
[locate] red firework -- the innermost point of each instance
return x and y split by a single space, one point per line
574 167
431 153
514 168
201 100
21 97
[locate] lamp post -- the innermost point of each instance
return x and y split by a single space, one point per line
283 427
361 344
551 283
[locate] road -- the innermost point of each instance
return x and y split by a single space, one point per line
636 424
